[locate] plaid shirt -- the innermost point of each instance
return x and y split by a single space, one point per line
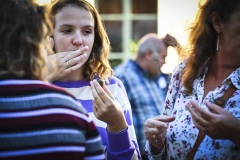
144 93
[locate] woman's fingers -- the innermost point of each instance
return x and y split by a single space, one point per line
73 54
157 126
197 120
155 129
202 118
107 91
96 98
103 92
75 63
164 118
213 108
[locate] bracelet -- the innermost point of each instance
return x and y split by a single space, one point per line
163 142
152 155
159 144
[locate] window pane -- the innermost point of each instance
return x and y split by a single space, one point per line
140 28
114 31
144 6
115 62
110 6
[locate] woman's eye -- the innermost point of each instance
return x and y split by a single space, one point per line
66 30
87 32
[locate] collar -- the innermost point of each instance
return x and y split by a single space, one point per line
141 70
235 78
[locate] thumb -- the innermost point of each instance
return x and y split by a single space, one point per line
213 107
165 118
107 91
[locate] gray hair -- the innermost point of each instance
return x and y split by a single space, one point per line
148 42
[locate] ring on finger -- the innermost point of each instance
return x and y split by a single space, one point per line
204 121
154 136
68 64
96 107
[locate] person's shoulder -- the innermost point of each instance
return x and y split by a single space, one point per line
114 80
122 68
44 89
180 67
63 94
126 70
58 89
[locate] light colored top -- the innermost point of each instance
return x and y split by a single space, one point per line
182 133
118 146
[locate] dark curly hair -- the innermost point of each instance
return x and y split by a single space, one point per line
24 28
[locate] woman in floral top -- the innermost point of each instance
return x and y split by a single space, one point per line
213 64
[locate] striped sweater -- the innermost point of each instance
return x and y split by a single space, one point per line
119 146
42 121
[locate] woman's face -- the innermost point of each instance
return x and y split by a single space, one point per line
230 35
156 61
74 29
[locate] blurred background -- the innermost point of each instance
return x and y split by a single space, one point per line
126 21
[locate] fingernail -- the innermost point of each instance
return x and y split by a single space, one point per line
188 105
207 102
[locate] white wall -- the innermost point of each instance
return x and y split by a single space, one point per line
174 17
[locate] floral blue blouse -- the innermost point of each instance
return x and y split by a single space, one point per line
182 132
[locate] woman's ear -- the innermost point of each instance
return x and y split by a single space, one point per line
148 55
216 22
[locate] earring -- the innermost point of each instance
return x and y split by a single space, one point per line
217 42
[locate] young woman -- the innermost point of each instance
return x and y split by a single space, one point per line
78 27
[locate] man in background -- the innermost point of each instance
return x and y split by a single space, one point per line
146 86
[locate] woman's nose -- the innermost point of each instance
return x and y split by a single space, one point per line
77 40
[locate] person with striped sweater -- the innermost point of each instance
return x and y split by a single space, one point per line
37 119
78 28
